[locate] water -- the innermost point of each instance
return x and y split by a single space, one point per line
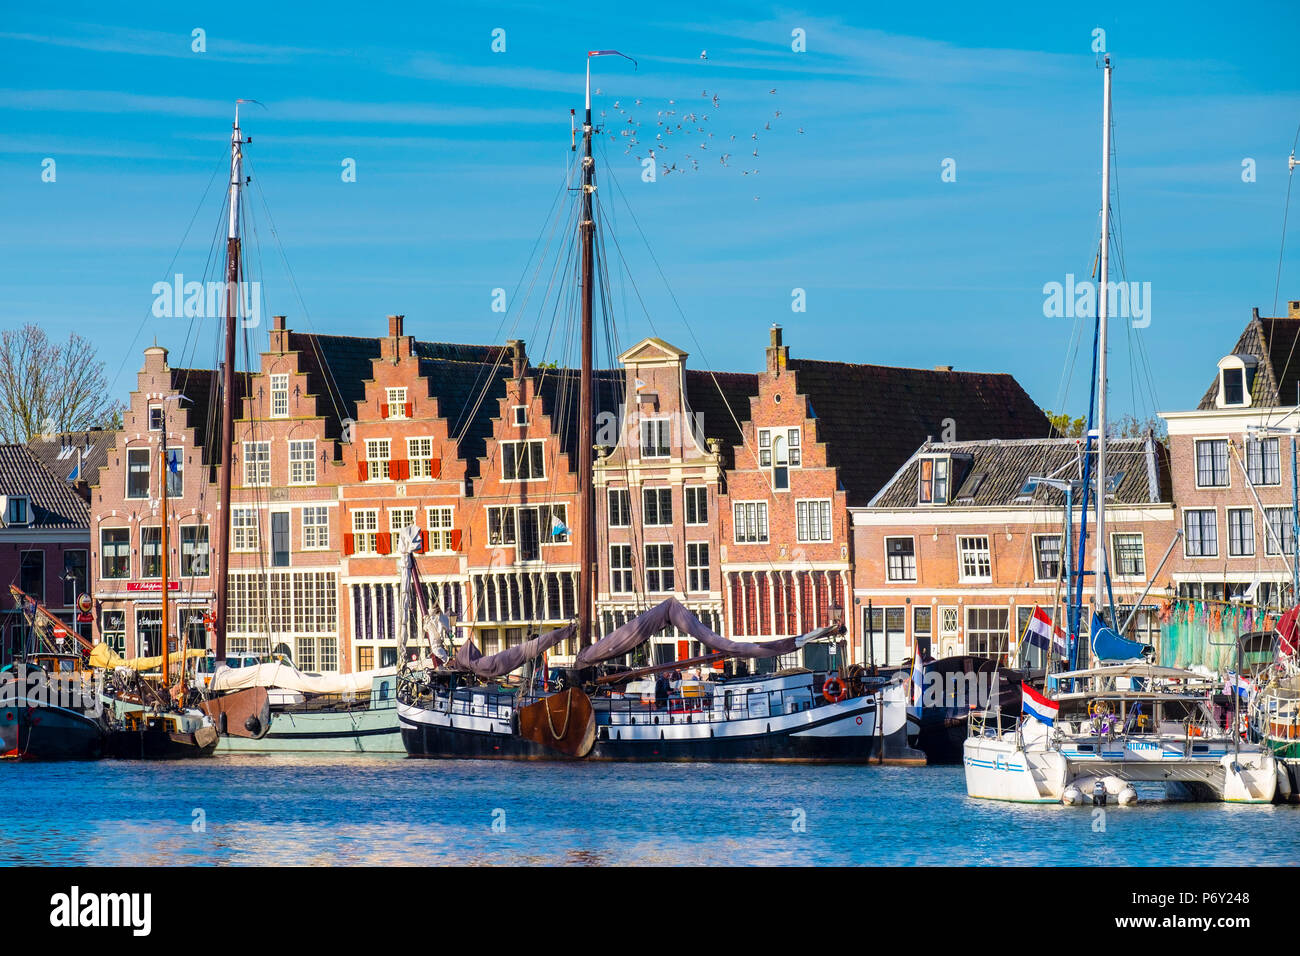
391 810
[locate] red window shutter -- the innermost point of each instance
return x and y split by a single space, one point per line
408 408
455 539
423 539
349 544
384 542
362 470
383 410
400 469
435 467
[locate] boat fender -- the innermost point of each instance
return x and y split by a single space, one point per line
1072 797
833 690
252 724
1127 796
221 724
1283 782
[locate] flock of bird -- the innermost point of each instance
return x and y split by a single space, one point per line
694 130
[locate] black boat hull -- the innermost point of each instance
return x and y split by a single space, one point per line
153 744
50 733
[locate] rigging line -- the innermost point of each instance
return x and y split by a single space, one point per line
1277 284
176 255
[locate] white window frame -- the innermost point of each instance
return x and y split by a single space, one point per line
395 527
257 464
1252 543
1187 538
935 461
821 514
622 575
365 531
1060 556
440 520
421 465
1280 544
379 456
889 571
1262 443
753 523
660 434
512 446
624 511
660 493
279 395
1227 460
148 473
242 527
659 570
316 532
302 471
395 399
519 421
1119 574
966 546
701 494
697 568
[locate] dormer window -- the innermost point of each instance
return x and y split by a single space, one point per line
1236 379
932 485
17 511
280 396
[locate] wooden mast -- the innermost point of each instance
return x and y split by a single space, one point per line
221 581
586 404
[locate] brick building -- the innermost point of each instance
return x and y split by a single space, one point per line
957 548
1232 483
821 438
44 542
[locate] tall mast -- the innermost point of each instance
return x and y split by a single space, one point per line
1100 564
586 410
228 387
166 610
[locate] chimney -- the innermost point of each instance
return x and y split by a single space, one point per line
279 335
395 325
519 357
777 354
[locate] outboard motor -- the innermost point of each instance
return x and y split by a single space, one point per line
1099 793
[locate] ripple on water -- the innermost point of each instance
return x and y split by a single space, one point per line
309 811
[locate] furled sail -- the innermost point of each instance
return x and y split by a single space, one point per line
285 676
672 613
470 658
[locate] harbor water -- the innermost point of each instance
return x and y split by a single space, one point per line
304 811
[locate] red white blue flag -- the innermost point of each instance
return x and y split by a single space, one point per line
1037 706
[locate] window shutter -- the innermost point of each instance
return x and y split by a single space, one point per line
349 544
407 408
435 467
421 546
399 469
384 542
383 410
455 539
363 470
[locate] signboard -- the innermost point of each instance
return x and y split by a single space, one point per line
148 586
85 617
84 603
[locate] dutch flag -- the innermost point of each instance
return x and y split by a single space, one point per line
1042 633
1037 706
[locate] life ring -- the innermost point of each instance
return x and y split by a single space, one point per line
839 692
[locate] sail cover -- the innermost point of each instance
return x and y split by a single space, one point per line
470 658
287 677
672 614
1108 645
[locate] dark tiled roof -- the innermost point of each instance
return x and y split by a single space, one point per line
59 453
54 502
337 367
993 473
468 394
1276 343
202 388
873 416
558 388
722 400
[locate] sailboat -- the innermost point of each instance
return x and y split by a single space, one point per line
157 721
455 705
1094 732
49 706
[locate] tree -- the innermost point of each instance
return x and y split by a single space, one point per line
1127 426
48 387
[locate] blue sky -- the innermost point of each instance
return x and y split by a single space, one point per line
460 152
